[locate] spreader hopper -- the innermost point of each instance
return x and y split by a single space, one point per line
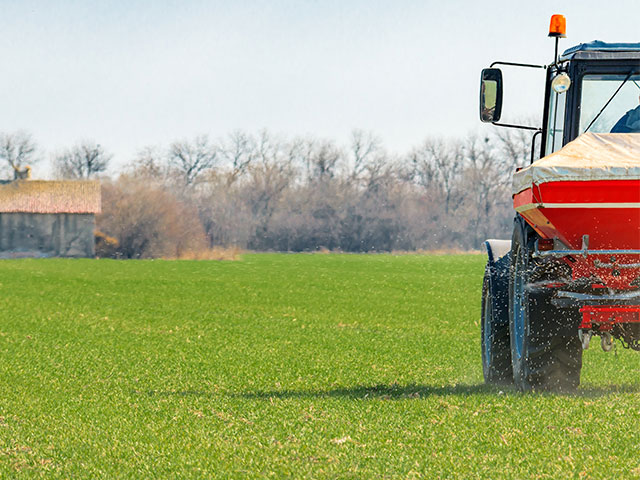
590 187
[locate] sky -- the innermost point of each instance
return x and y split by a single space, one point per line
130 74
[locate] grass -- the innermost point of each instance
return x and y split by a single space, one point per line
316 366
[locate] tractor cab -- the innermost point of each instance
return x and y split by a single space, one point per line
592 87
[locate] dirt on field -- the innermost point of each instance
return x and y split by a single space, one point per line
437 251
215 253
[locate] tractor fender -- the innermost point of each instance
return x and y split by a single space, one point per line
498 271
497 249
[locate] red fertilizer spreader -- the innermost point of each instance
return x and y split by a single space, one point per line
572 267
584 203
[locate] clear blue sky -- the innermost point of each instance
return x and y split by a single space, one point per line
134 73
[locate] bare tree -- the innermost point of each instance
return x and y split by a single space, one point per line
84 160
437 163
239 151
268 179
321 159
366 156
17 150
485 187
190 159
149 164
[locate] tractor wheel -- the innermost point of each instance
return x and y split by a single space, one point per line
496 350
541 359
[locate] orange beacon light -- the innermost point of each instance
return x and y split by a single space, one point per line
558 26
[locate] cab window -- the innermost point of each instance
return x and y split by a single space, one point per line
555 122
606 100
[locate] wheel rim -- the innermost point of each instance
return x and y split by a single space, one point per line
519 303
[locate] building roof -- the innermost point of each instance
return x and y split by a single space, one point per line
44 196
602 50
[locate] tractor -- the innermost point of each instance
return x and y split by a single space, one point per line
571 270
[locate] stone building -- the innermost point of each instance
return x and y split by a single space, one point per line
41 218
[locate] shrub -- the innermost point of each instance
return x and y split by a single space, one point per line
147 220
106 246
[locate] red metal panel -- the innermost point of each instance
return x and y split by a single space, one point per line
597 191
604 317
607 211
609 227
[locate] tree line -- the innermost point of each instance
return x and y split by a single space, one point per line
266 192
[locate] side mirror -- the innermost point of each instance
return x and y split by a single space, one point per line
490 95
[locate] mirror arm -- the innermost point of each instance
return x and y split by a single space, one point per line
522 127
533 145
529 65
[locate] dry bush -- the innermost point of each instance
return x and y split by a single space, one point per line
147 220
106 246
437 251
215 253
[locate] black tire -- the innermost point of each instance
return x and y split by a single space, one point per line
496 348
541 358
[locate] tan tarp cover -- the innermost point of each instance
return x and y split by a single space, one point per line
591 156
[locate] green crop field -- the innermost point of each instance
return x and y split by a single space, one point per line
301 366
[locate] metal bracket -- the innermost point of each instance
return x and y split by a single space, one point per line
599 264
584 252
585 245
564 299
597 298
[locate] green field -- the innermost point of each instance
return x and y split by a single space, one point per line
316 366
